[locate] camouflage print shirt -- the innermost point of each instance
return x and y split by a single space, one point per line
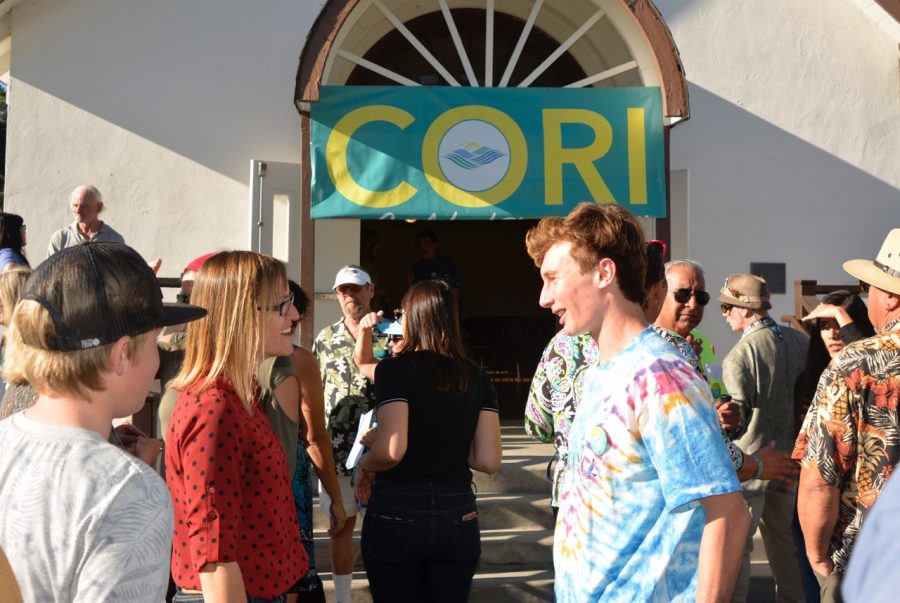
850 436
348 393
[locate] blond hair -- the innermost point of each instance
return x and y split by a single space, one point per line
11 283
50 371
228 342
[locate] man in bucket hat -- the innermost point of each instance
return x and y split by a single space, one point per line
760 373
83 520
850 441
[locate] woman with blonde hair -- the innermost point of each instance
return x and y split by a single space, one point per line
11 283
236 532
437 420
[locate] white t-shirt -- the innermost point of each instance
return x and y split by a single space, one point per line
81 520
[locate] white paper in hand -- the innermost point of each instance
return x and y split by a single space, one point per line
365 422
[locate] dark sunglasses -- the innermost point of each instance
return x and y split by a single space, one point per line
726 308
683 295
282 308
396 338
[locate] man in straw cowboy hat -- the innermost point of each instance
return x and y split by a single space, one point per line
850 439
760 372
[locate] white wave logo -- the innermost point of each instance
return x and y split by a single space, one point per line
474 155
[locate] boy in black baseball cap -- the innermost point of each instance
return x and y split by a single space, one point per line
81 518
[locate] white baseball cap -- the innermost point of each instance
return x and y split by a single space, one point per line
351 275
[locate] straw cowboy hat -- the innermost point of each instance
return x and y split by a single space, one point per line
745 291
884 271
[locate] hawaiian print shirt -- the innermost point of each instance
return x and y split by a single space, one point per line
644 449
348 393
850 435
554 394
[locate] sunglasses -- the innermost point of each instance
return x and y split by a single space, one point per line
183 298
396 338
864 287
282 308
659 245
726 308
683 295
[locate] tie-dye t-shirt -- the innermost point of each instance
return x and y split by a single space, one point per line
644 449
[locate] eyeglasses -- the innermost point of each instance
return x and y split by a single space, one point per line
683 295
348 289
396 338
726 308
183 298
23 227
864 287
282 308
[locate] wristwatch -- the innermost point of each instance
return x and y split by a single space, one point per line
759 467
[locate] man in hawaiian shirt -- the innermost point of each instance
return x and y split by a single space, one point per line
760 372
850 441
650 509
348 395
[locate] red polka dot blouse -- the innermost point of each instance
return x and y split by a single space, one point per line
227 474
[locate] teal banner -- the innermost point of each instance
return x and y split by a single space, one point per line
485 153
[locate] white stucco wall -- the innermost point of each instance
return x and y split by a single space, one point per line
161 105
791 150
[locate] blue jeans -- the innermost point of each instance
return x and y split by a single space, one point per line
183 597
421 542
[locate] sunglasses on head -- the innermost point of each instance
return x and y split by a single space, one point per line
683 295
659 245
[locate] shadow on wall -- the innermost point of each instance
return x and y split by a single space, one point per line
211 83
758 193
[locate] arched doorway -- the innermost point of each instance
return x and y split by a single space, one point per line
530 43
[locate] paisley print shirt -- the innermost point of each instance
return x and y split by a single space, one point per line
553 397
348 393
850 435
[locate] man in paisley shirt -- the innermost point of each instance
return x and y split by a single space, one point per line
850 440
650 508
348 395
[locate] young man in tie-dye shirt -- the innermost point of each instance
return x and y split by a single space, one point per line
651 508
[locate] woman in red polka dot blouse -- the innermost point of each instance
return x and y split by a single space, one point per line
236 531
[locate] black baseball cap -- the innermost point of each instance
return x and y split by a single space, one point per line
98 292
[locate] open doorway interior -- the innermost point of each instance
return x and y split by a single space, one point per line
504 327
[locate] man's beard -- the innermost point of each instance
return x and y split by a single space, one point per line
356 311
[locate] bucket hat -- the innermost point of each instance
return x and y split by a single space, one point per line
745 291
